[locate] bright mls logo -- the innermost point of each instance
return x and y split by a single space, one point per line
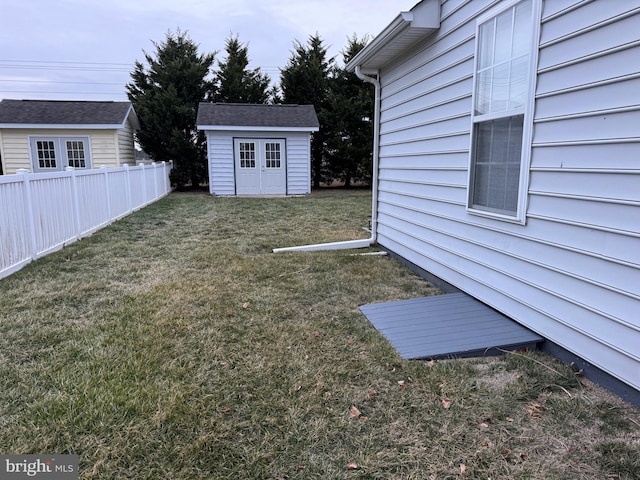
49 467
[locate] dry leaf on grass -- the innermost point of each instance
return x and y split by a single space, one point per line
354 412
535 409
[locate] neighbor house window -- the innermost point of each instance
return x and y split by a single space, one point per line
500 114
56 153
46 151
75 153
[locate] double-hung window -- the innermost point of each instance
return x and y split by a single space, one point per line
56 153
501 110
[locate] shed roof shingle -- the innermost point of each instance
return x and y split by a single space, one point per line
63 112
257 115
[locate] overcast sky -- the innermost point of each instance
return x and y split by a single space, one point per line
85 50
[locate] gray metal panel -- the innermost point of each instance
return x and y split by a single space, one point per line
445 325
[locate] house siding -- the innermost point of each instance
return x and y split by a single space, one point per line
572 272
16 146
221 160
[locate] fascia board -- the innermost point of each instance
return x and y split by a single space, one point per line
58 126
237 128
399 24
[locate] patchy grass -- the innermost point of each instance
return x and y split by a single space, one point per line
174 345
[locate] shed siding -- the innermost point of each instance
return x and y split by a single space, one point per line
298 164
221 170
16 146
126 150
572 272
221 161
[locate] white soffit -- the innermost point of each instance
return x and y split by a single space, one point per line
407 29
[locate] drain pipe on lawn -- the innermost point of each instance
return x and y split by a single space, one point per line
367 242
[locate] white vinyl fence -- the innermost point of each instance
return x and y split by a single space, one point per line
43 212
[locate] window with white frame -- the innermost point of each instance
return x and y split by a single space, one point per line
500 116
247 155
56 153
272 155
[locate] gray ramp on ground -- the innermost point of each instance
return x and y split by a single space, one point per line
451 325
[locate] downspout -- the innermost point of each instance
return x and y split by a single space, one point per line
367 242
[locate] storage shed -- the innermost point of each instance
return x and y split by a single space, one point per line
258 149
507 147
49 135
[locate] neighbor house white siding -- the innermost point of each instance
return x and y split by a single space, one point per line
15 146
221 160
572 272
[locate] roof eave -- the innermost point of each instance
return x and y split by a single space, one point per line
240 128
404 31
58 126
133 118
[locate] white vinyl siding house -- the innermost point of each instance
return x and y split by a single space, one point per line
561 255
105 131
258 149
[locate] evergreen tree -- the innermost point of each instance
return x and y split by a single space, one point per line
165 94
235 82
303 81
349 125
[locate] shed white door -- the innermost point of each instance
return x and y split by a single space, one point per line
260 166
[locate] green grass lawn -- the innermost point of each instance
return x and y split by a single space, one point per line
175 345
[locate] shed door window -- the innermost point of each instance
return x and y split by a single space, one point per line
56 153
46 152
75 153
272 155
247 152
501 96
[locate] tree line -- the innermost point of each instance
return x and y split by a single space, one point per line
166 88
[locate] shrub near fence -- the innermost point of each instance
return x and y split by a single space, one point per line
43 212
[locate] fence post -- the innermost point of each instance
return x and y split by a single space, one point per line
155 180
28 200
128 187
144 186
167 171
104 169
76 200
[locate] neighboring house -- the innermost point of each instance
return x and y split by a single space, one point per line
508 162
258 149
49 135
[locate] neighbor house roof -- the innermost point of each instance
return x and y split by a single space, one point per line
407 29
66 114
254 117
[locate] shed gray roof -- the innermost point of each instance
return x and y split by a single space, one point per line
256 116
14 113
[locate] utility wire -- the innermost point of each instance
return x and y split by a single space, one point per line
11 80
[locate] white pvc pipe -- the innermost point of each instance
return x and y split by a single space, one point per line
367 242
